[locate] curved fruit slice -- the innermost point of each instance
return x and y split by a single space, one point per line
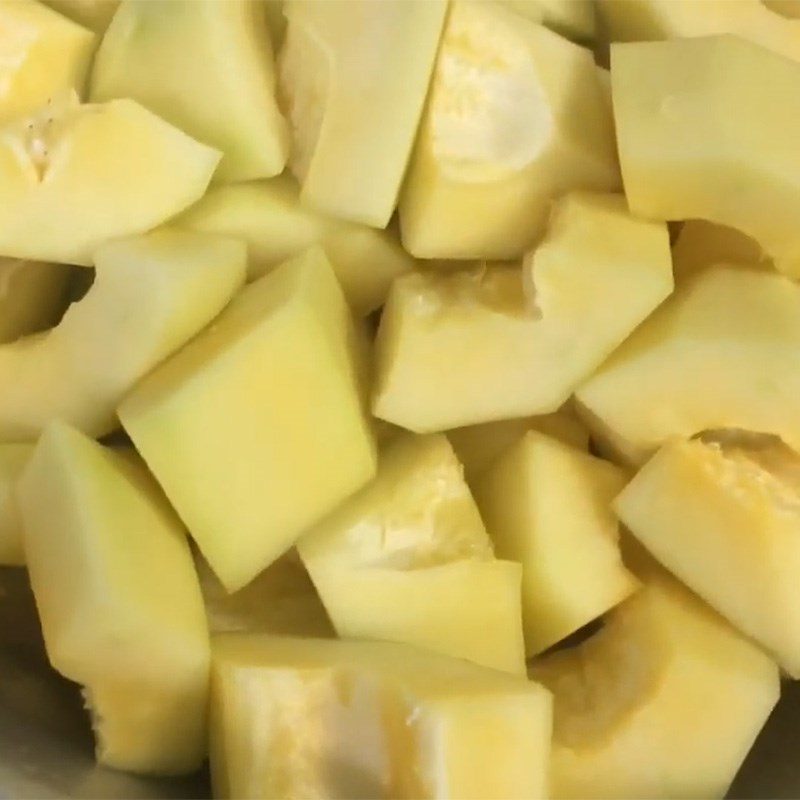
13 458
649 20
92 14
402 558
723 352
354 77
679 107
547 506
736 506
702 244
119 601
664 702
572 18
150 296
478 446
32 296
268 216
322 718
268 404
470 347
44 57
206 67
281 600
500 138
77 176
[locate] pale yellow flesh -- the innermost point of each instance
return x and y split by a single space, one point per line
44 57
150 296
73 177
500 139
573 18
353 79
267 403
371 719
269 216
699 138
206 67
648 20
725 522
496 343
281 601
664 702
92 14
404 559
702 244
13 458
33 295
724 352
547 506
118 599
478 446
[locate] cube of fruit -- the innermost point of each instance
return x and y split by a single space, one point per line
92 14
665 701
724 518
45 56
478 446
684 150
292 717
267 403
151 294
724 352
75 176
637 20
353 77
572 18
13 458
500 138
281 600
268 215
118 599
702 244
470 347
547 506
206 67
32 296
404 559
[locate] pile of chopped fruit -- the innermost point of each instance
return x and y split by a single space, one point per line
397 403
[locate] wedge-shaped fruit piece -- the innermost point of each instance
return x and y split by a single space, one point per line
685 151
301 717
75 176
478 446
724 352
32 296
151 294
353 77
205 66
405 558
92 14
267 403
471 347
702 244
268 215
45 56
281 600
13 458
665 701
501 138
573 18
735 506
547 506
118 599
648 20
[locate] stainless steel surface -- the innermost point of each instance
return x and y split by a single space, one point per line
46 746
